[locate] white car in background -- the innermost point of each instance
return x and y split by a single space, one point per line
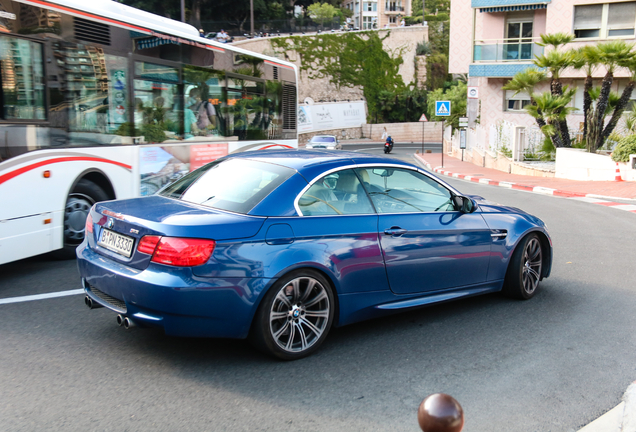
328 142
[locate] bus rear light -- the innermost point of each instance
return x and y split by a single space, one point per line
176 251
46 174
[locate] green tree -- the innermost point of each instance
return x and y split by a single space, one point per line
350 60
525 81
456 94
321 12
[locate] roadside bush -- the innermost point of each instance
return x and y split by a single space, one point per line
624 148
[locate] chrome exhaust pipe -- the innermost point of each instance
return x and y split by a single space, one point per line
128 323
120 320
90 303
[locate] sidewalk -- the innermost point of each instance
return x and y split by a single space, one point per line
605 190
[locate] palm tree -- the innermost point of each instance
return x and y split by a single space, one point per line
525 81
595 129
622 103
612 55
554 109
556 61
586 58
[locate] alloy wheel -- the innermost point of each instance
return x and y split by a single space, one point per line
299 314
532 263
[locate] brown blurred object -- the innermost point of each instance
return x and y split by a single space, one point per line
440 412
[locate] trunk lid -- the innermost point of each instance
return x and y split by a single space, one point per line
161 216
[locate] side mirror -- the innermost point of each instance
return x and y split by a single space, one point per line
464 204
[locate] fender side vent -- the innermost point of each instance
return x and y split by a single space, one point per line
91 31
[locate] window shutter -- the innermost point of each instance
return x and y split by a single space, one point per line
621 15
587 17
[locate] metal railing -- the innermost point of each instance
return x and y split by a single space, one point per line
506 50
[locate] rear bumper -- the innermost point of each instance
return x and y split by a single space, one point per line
172 298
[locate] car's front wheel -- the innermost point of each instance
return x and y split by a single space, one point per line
524 270
295 316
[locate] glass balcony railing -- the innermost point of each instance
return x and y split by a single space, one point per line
506 50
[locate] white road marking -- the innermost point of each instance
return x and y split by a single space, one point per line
41 296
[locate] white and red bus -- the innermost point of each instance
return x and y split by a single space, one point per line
103 101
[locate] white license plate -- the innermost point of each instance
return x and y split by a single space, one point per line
116 242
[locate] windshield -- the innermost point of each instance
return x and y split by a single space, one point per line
235 185
322 139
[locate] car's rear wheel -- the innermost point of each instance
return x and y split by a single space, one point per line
524 271
295 316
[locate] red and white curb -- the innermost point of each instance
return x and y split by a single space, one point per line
591 198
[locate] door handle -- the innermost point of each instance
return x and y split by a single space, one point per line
395 231
499 234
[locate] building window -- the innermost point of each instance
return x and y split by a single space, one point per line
516 102
371 7
392 20
518 44
367 22
605 20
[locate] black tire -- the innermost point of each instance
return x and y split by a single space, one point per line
295 316
78 203
524 271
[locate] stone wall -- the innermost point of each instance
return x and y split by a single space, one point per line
350 133
405 132
323 90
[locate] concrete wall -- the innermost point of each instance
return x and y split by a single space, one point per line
497 161
578 164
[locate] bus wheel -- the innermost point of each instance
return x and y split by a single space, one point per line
78 204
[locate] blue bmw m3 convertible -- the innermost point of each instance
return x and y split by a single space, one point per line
279 246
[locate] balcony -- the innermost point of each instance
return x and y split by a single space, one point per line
506 50
388 9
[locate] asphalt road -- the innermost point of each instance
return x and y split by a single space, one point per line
553 363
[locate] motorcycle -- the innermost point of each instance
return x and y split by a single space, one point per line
388 145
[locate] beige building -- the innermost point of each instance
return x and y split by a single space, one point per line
369 14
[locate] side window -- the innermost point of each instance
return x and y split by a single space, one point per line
158 110
404 191
338 193
22 79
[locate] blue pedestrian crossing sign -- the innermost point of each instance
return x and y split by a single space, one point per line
442 108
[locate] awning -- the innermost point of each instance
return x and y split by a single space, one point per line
525 7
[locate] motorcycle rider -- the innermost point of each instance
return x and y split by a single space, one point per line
388 145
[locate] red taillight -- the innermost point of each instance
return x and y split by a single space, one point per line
89 223
175 251
147 244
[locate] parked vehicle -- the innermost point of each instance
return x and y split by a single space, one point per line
329 142
279 246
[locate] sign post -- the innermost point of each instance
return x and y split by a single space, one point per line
463 124
423 119
442 109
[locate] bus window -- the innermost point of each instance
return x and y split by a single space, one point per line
92 100
203 91
22 79
158 104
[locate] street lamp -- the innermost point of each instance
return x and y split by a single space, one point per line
251 17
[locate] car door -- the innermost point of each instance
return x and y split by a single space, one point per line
339 229
427 244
